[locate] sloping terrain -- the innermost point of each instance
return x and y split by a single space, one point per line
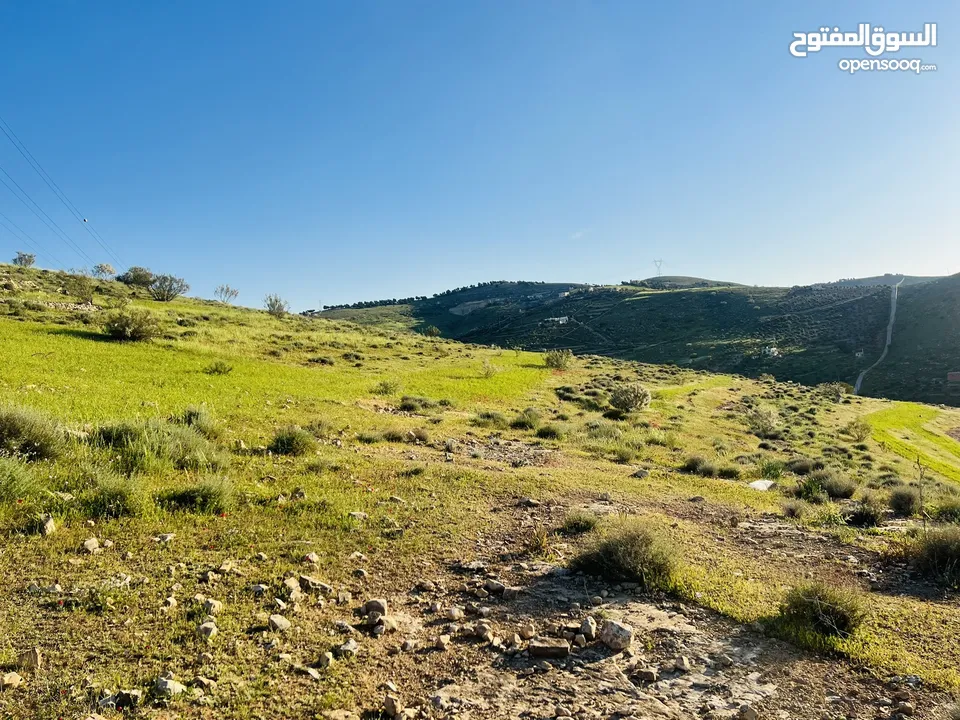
276 517
888 279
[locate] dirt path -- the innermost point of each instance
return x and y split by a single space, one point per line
894 292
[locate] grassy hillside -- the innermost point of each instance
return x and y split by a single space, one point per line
266 476
888 279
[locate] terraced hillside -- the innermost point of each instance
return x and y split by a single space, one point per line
256 516
817 331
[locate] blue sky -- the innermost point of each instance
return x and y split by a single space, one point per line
341 151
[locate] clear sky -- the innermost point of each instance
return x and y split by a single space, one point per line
341 151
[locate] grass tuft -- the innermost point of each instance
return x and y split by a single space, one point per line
29 434
822 610
292 440
631 554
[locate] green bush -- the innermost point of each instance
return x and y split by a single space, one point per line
114 497
79 287
276 306
868 512
771 469
218 367
386 387
579 522
905 501
764 423
730 472
136 276
558 359
550 432
835 486
698 465
151 445
17 482
200 419
794 509
821 609
489 419
858 429
947 509
132 325
936 555
211 497
628 398
412 403
166 288
370 437
529 419
30 434
292 440
631 554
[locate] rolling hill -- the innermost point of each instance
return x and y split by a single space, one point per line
809 334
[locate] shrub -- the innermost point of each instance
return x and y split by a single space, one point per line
948 509
771 469
386 387
292 440
628 398
858 429
868 512
218 367
166 288
794 509
132 325
211 497
198 418
579 522
489 419
624 454
143 446
764 423
698 465
225 293
905 501
558 359
22 259
431 331
550 432
801 466
30 434
936 555
16 481
369 437
79 287
529 419
103 271
631 554
136 277
410 403
825 610
114 497
730 472
276 306
837 487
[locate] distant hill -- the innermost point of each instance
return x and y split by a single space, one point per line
887 279
810 334
679 282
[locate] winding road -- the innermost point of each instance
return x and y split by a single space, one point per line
894 291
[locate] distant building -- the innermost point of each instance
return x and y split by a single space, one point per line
953 377
770 351
859 353
563 320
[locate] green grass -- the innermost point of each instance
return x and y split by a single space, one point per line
905 429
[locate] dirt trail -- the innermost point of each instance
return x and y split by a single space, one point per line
894 292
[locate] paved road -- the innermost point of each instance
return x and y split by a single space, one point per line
894 291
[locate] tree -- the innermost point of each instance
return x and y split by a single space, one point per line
225 293
104 271
136 276
168 287
275 305
24 259
79 287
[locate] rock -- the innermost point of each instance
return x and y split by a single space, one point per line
641 474
376 605
259 589
325 660
361 574
170 603
312 558
292 587
588 628
208 629
127 699
648 674
528 502
279 623
682 664
30 659
165 687
165 538
493 586
510 593
454 614
348 649
311 584
527 631
549 648
762 485
580 640
748 713
358 516
47 525
206 683
392 706
209 577
616 635
212 607
10 681
905 708
90 546
262 556
443 642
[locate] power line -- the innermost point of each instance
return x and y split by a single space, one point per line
44 218
61 195
29 240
